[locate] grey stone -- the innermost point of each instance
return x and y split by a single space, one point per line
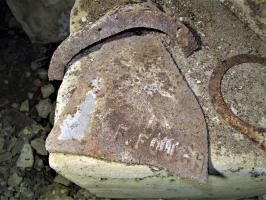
25 159
24 106
55 192
5 156
38 163
47 22
39 145
43 74
12 143
44 107
47 90
2 143
14 180
62 180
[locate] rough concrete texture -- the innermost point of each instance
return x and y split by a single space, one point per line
44 21
240 163
251 12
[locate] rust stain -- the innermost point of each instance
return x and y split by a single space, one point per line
255 133
114 22
144 115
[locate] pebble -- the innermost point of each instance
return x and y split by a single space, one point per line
25 106
2 143
5 156
62 180
14 180
38 164
39 145
25 159
44 107
43 74
47 90
35 65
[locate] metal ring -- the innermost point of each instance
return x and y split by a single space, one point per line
254 133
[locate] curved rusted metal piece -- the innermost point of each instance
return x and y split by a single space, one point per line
115 22
255 133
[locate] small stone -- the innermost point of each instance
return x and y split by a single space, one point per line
25 159
38 164
11 143
14 105
2 143
24 106
62 180
5 156
37 82
14 180
30 95
44 107
25 132
39 145
47 90
43 74
36 128
35 65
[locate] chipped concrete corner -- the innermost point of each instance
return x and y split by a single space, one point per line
134 88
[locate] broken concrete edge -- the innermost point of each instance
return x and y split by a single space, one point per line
254 133
114 22
87 172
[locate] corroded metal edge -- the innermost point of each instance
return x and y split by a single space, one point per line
114 22
257 134
136 136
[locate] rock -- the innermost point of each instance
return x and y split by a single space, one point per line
35 65
62 180
38 164
2 143
11 143
43 74
39 145
83 194
25 159
56 192
14 180
47 90
24 106
5 156
25 132
44 107
25 192
47 22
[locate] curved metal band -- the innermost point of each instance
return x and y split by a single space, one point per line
254 133
114 23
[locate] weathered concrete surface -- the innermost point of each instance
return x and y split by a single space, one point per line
252 12
240 161
44 21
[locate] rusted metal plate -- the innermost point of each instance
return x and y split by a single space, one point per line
116 21
132 105
255 133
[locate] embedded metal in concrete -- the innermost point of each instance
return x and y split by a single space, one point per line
257 134
116 21
132 105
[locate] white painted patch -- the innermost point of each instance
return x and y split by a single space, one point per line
74 127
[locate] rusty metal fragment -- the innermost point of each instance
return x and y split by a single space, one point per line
116 21
257 134
132 105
